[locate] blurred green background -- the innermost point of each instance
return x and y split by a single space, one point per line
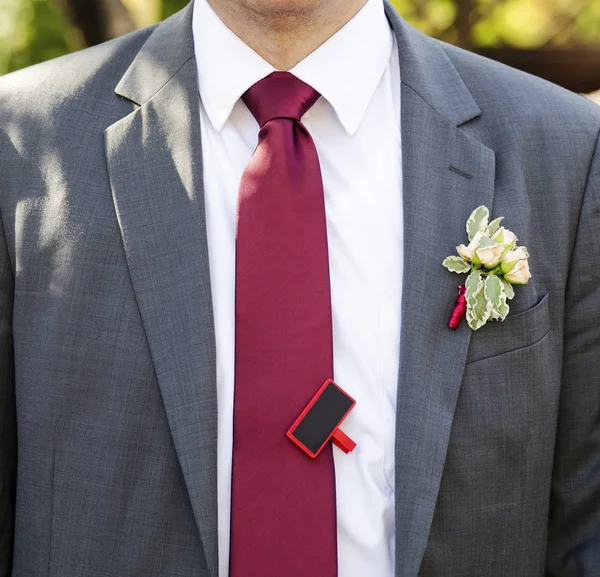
556 39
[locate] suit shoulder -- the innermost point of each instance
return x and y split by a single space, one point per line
500 88
92 71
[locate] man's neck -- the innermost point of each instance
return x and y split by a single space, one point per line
285 36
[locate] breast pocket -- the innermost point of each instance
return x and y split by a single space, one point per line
515 332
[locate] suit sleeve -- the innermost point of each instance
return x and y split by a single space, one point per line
8 429
574 523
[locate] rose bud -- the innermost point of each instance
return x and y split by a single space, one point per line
520 273
490 257
467 252
510 259
506 238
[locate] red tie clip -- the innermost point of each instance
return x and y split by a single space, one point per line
320 421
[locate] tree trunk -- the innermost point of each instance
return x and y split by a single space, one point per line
100 20
463 24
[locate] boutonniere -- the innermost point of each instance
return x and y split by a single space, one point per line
494 263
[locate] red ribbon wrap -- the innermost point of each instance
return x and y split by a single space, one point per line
459 308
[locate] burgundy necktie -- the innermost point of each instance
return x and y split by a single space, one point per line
283 521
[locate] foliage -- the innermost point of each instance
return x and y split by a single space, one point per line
515 23
434 17
32 31
171 6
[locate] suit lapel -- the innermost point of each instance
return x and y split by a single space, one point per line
155 167
447 173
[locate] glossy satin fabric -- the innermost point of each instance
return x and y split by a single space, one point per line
283 503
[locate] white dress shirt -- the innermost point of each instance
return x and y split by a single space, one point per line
356 129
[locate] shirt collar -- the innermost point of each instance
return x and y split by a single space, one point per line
345 70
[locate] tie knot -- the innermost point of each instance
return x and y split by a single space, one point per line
279 95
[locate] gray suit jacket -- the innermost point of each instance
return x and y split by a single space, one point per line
108 413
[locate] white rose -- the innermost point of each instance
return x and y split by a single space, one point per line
520 273
506 238
510 259
467 252
490 257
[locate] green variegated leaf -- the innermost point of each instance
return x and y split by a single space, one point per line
508 289
486 242
478 221
457 264
503 311
494 226
480 312
495 295
474 284
493 289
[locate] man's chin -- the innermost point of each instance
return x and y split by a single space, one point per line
266 7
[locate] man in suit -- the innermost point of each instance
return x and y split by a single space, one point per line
160 331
